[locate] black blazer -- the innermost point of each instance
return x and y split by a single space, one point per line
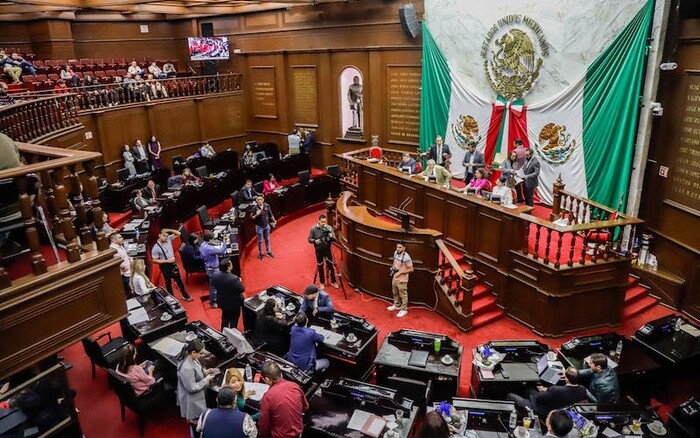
556 397
272 331
229 291
147 192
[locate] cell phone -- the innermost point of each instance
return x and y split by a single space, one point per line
504 374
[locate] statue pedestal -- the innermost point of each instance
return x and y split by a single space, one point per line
354 132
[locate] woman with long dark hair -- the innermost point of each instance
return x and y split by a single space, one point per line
192 382
139 375
154 150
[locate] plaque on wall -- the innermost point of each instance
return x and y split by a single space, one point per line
403 103
264 92
305 97
684 181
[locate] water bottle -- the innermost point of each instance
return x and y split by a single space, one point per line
136 232
512 422
248 373
679 323
618 349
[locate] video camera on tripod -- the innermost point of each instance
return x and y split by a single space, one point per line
327 237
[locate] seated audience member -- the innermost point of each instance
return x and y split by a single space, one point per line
169 70
233 379
247 193
151 191
188 177
207 150
407 162
9 67
558 424
271 329
248 158
156 71
89 81
543 399
603 386
270 185
129 160
283 405
302 346
157 89
315 301
26 66
480 182
129 79
5 99
138 203
69 76
141 286
60 87
434 426
139 375
226 420
441 174
294 140
190 250
503 191
134 69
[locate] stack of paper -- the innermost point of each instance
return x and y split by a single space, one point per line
367 423
169 346
329 337
137 315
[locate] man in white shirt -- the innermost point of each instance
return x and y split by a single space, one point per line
117 243
134 69
294 140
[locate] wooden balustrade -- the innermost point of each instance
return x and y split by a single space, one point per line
28 120
578 210
48 187
349 169
457 284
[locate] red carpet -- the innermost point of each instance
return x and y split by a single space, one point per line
293 267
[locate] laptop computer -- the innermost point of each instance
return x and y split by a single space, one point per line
547 373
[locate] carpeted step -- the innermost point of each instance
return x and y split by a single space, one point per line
638 307
483 304
632 280
479 290
487 318
634 294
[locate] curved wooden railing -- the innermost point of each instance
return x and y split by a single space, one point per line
28 120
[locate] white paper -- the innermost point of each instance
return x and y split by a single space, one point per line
610 433
259 388
132 303
137 315
329 337
612 364
169 346
359 419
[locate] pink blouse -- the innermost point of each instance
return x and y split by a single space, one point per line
139 379
479 184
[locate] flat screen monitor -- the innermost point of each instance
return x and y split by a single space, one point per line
251 144
259 156
208 48
432 178
123 174
304 176
405 169
333 170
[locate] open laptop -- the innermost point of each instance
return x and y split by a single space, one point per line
547 373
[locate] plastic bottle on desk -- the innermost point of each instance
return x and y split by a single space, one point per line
618 349
248 373
513 421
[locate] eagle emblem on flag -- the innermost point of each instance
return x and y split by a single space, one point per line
554 144
466 130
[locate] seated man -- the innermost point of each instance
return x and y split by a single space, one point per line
603 386
543 400
169 69
134 69
156 71
247 193
408 162
26 66
302 346
315 301
271 329
441 174
151 191
189 251
558 424
207 150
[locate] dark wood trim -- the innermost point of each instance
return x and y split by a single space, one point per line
681 207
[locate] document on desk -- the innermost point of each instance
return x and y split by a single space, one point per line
132 303
367 423
137 315
258 389
169 346
329 337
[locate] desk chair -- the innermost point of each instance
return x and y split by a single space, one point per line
202 172
143 405
205 221
105 356
191 266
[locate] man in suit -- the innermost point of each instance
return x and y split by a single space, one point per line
439 151
441 174
543 399
473 160
151 191
309 141
302 346
247 193
229 289
141 157
315 301
408 162
532 173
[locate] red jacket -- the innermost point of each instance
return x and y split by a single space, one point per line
282 411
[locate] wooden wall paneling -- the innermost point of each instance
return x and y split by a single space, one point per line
303 104
51 39
489 237
177 123
434 204
370 181
15 35
455 228
373 98
223 117
400 102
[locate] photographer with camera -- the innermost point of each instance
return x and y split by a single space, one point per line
321 236
403 265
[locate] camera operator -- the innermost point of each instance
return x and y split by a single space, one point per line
321 236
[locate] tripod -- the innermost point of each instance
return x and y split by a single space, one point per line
324 264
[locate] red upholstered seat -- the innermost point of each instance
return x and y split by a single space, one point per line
375 152
419 167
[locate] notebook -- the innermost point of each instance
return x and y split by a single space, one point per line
418 358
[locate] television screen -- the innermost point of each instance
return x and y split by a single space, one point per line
208 48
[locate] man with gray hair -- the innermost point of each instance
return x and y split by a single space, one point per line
441 175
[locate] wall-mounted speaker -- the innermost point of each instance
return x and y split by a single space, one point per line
409 21
208 67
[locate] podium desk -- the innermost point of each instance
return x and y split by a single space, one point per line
394 370
329 415
668 346
158 303
616 417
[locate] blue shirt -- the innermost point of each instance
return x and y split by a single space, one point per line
210 254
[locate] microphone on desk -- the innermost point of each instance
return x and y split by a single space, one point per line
405 203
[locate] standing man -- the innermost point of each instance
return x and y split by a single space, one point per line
229 295
210 252
226 421
355 100
117 243
519 151
321 236
309 141
531 179
139 153
264 219
473 160
439 151
282 407
162 254
403 265
603 386
294 140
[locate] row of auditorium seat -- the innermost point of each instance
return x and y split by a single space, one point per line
47 81
96 64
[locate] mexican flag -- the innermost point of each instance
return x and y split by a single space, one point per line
582 126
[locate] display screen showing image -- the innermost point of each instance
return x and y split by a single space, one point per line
208 48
